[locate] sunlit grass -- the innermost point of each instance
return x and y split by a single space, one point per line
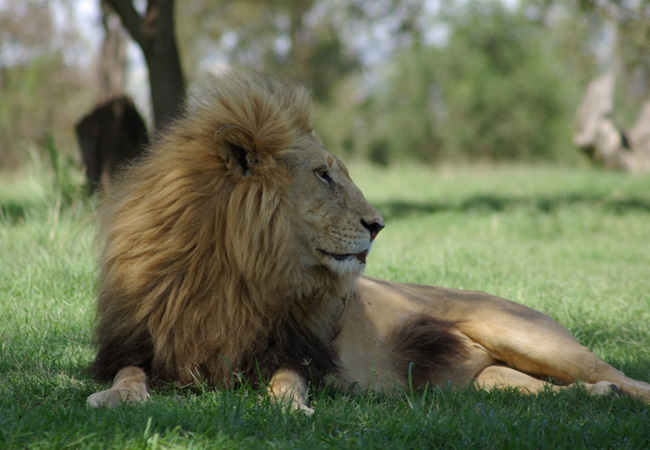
574 243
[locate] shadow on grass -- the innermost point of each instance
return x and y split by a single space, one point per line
13 211
497 203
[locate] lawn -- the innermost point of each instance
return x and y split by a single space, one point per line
573 243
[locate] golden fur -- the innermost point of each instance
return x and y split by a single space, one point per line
236 246
201 272
393 333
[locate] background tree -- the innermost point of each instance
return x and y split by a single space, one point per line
154 33
494 88
604 36
112 62
299 40
42 88
392 79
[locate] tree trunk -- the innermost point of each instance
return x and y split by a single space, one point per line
599 137
156 37
111 66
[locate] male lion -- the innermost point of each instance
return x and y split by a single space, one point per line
234 249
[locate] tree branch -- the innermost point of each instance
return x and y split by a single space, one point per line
130 18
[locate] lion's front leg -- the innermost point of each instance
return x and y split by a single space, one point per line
287 386
129 385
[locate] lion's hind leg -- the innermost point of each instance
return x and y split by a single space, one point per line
500 377
568 362
533 343
129 386
628 385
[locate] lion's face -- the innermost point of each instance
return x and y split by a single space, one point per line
334 224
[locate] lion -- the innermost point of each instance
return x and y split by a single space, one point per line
228 250
233 252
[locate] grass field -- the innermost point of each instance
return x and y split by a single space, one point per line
573 243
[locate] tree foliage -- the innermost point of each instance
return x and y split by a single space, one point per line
507 94
294 39
495 90
392 79
39 88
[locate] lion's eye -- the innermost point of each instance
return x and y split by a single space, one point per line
324 175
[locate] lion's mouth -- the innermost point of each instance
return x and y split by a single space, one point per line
361 257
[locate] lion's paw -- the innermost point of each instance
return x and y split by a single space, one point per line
113 397
603 388
303 408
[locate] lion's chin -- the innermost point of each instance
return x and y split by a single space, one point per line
351 264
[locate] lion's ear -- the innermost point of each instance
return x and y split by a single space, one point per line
236 146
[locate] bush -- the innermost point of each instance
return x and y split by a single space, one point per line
496 90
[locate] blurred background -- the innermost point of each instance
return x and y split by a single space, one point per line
428 81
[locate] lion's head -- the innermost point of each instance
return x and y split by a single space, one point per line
232 243
332 224
328 221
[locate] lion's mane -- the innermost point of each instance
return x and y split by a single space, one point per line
199 276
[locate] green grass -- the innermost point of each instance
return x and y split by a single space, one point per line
574 243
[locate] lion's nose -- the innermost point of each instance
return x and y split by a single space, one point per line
375 226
